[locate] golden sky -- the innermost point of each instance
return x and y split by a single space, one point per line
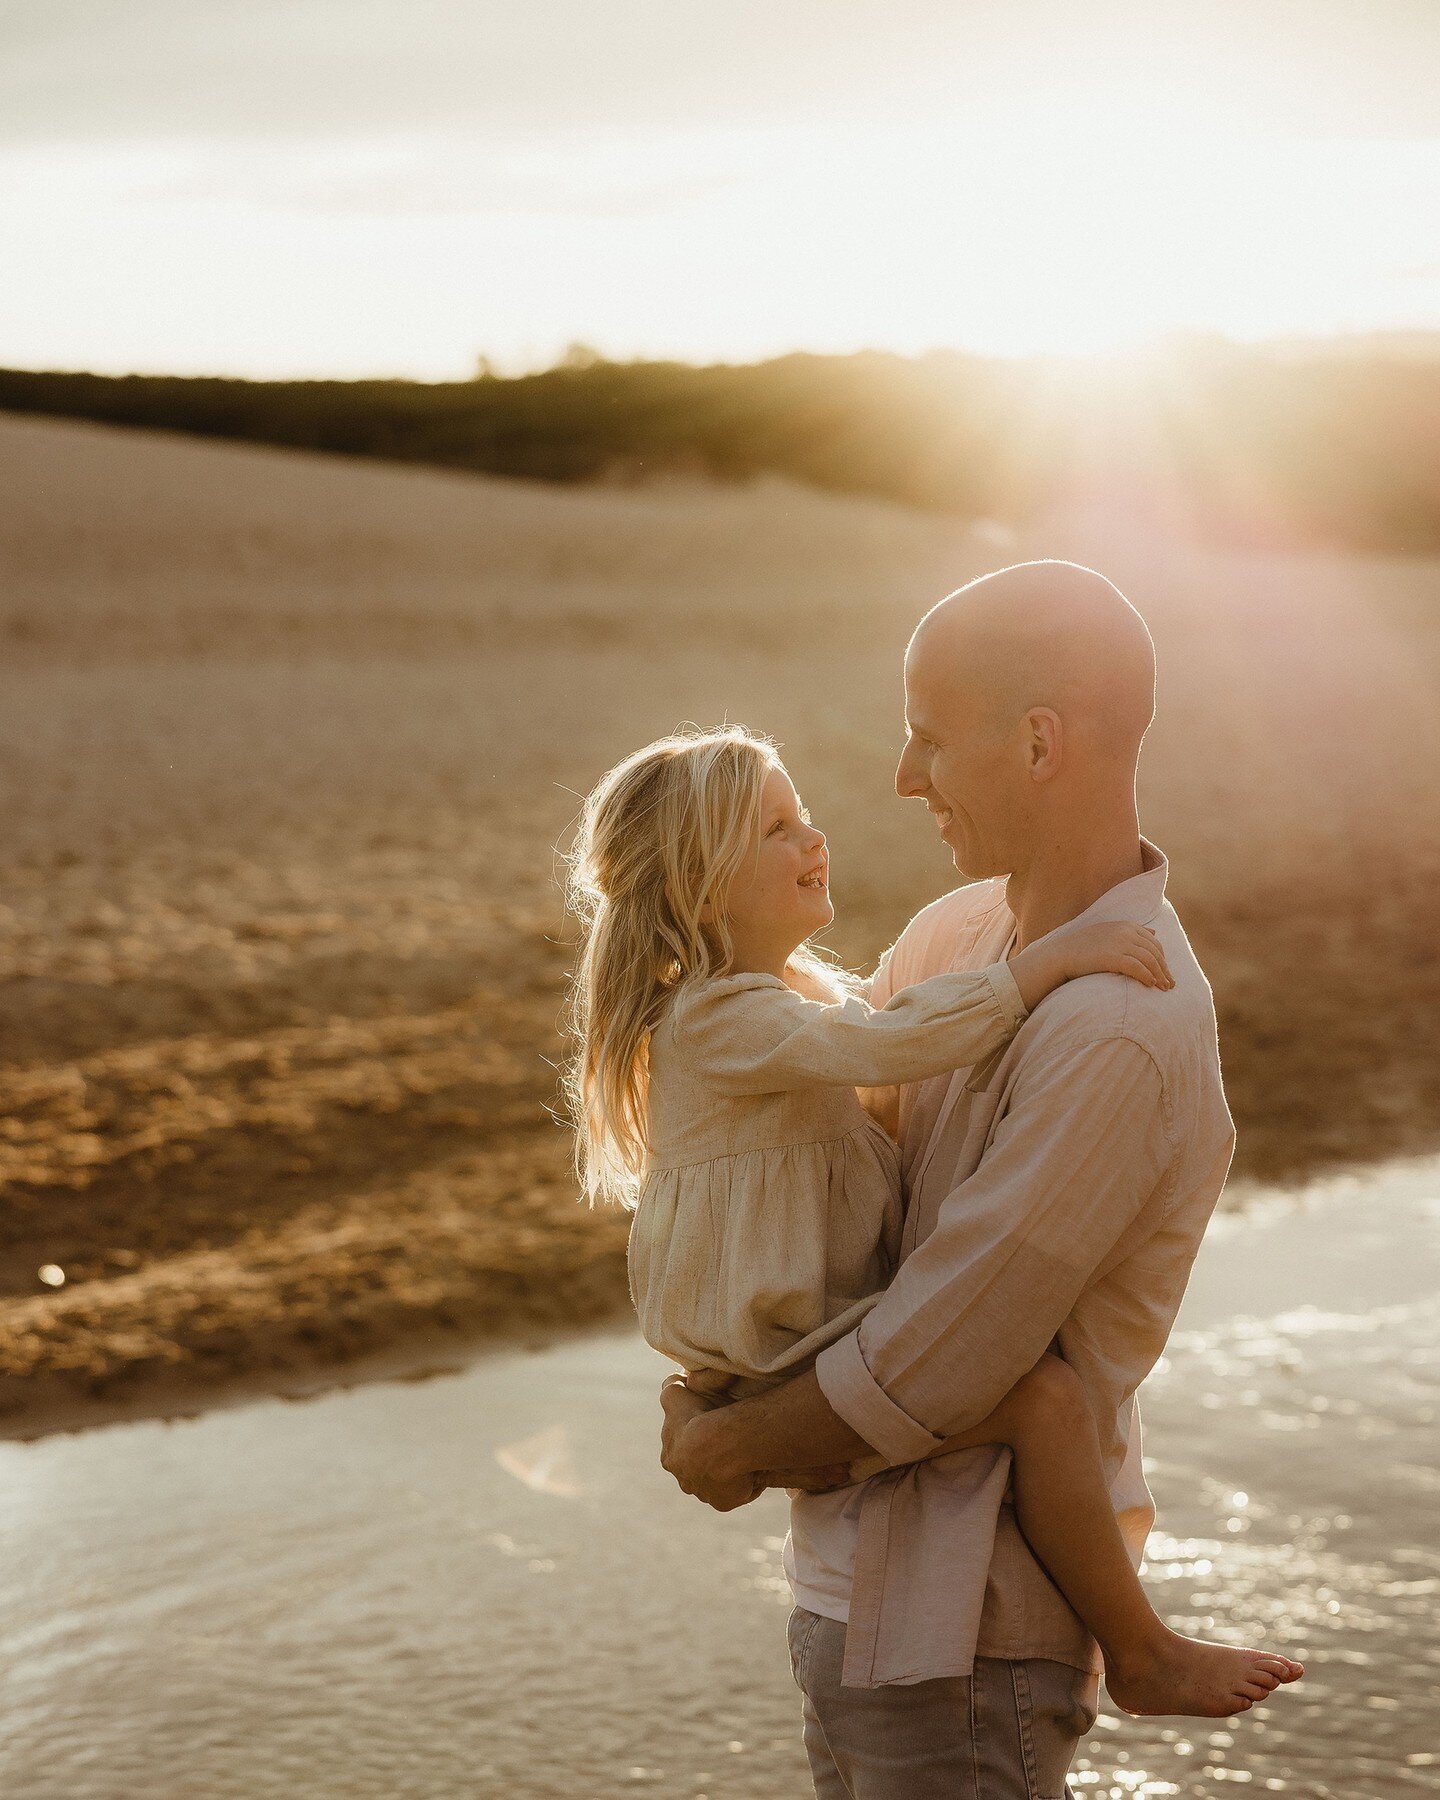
346 187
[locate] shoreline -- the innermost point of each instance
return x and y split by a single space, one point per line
431 1349
429 1353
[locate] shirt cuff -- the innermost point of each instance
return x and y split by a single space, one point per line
863 1404
1007 992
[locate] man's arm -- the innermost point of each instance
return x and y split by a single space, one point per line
883 1103
792 1428
1082 1148
721 1488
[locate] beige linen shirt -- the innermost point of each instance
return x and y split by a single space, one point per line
769 1218
1056 1193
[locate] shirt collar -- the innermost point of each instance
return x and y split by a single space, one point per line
1138 899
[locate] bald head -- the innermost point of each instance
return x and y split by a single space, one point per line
1026 696
1044 634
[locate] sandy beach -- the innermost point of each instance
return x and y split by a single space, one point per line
288 745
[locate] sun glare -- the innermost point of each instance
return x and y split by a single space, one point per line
1082 221
1090 228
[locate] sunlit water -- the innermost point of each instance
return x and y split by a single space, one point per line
482 1585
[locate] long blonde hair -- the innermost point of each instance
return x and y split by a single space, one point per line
661 838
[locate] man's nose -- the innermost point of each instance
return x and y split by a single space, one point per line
911 779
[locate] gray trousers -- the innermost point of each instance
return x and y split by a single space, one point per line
1007 1732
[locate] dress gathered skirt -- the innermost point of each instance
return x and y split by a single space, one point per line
770 1212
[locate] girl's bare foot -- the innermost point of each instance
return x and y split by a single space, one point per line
1174 1674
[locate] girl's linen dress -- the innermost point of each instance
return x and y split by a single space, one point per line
770 1212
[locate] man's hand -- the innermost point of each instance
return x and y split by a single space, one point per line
687 1450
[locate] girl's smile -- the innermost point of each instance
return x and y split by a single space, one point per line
782 894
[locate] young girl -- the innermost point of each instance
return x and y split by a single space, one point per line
714 1090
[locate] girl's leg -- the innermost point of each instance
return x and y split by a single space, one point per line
1064 1509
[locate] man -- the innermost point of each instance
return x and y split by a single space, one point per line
1056 1197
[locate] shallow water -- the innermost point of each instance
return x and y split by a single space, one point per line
482 1584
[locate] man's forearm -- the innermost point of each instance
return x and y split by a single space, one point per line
791 1427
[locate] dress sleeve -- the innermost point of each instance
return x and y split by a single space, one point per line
755 1035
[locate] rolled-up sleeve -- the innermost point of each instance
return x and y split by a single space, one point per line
1082 1147
863 1404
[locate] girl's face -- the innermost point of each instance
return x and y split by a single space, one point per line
782 893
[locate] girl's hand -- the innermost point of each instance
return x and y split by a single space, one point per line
1115 947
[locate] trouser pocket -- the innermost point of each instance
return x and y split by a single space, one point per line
800 1634
1048 1702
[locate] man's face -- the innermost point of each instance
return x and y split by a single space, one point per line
967 765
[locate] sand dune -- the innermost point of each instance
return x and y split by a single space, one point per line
288 742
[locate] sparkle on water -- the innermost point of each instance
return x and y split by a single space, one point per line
484 1584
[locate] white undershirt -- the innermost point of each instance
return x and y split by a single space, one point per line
819 1554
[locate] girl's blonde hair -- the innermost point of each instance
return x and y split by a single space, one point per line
661 838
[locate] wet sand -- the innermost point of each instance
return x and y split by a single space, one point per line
287 744
482 1584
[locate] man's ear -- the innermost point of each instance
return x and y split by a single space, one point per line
1044 742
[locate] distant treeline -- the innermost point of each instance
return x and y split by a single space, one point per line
1260 445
